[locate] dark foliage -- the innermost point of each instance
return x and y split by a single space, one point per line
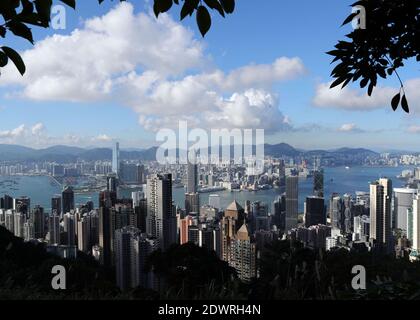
188 270
390 38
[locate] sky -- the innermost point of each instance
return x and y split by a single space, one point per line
116 73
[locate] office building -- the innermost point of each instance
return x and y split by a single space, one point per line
38 220
292 193
131 251
161 218
192 203
380 213
403 201
315 211
243 254
54 228
116 159
67 197
56 204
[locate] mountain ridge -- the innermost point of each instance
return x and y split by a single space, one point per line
62 153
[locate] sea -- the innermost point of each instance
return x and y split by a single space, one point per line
336 180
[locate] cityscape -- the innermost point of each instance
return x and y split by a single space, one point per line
135 213
209 157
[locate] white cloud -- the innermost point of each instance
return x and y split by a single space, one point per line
157 68
102 138
13 133
83 65
38 128
349 127
357 99
37 136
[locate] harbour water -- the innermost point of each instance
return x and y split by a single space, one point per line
337 179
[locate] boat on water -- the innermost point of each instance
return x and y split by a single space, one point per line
347 168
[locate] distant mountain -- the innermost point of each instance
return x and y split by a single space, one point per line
71 154
281 149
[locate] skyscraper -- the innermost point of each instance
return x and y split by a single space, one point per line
192 203
54 228
22 204
315 211
70 224
56 204
319 183
38 220
380 213
233 219
161 220
67 199
243 254
131 251
105 235
116 159
291 202
415 247
403 200
83 234
192 177
19 224
214 201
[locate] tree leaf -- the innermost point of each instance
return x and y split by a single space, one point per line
21 30
203 20
396 101
72 3
404 104
228 5
214 4
3 59
16 58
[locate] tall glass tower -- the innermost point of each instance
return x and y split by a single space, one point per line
116 159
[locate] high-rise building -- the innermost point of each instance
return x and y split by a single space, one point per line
56 204
315 211
279 212
214 201
105 235
415 246
137 196
243 254
29 230
192 203
233 218
38 220
337 213
185 223
292 193
380 213
161 218
192 177
22 204
403 200
116 159
83 234
7 202
19 224
131 251
319 183
54 228
9 220
67 199
70 224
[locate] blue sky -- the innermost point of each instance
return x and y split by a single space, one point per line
298 32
